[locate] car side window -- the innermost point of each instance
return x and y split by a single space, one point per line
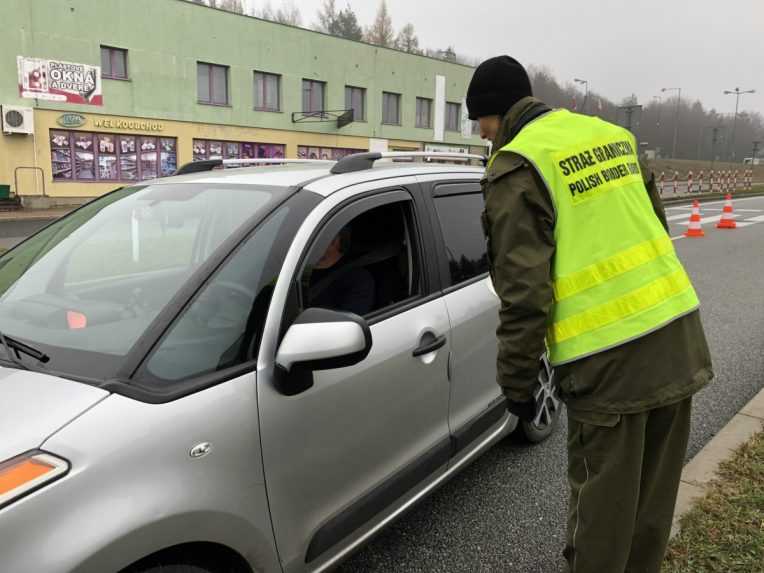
459 206
365 263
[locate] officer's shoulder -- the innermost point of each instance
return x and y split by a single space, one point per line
505 163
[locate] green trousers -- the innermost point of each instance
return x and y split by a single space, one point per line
624 473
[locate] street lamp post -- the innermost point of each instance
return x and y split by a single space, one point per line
660 108
676 117
586 94
737 92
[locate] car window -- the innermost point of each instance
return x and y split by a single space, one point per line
220 327
364 265
459 216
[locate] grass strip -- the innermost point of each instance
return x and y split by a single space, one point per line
724 531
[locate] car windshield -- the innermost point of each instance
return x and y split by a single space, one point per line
84 289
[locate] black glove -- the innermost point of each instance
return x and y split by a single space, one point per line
526 411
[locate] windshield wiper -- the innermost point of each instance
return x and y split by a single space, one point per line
15 348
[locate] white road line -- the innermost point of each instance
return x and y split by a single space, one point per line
704 220
751 221
677 217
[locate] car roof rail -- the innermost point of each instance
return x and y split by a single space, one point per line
364 161
210 164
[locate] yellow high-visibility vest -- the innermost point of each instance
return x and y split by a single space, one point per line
616 274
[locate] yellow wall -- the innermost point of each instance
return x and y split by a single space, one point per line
19 150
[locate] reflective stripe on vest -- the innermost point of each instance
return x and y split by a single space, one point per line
616 276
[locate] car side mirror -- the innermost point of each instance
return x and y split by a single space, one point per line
323 339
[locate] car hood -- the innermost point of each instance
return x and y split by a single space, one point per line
34 406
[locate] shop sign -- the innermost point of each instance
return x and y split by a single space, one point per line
55 80
71 120
134 124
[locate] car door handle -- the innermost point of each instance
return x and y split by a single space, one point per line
430 346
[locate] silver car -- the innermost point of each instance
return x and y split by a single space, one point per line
250 369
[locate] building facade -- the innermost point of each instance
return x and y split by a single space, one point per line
100 94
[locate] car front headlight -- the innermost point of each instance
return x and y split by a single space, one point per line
28 472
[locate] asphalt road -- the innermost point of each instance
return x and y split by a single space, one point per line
12 232
506 512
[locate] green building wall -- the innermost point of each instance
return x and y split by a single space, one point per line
166 38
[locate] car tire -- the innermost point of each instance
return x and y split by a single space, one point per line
176 568
178 561
548 410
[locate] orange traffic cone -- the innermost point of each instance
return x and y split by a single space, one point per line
695 230
728 219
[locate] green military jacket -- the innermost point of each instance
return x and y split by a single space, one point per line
661 368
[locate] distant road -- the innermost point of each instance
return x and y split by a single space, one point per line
12 232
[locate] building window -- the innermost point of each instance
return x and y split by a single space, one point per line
85 156
113 63
453 116
212 149
423 112
475 128
212 84
330 153
391 108
355 99
313 93
267 92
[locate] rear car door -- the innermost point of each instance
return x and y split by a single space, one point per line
361 440
476 404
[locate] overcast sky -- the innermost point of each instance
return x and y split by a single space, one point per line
639 46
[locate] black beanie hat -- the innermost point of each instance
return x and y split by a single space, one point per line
497 85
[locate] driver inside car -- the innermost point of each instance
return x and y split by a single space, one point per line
337 284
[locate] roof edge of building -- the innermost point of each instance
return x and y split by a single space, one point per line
320 33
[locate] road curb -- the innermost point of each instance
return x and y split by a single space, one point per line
698 474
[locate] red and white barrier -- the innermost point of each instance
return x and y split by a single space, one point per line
700 181
676 178
689 181
662 183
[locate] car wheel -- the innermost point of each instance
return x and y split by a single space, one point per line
548 409
175 568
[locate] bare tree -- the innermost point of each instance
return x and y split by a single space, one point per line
236 6
381 32
327 17
289 13
407 40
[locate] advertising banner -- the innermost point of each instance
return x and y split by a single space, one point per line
54 80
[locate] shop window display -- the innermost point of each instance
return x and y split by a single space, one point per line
327 153
211 149
84 156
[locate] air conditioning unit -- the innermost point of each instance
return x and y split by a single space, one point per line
17 119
